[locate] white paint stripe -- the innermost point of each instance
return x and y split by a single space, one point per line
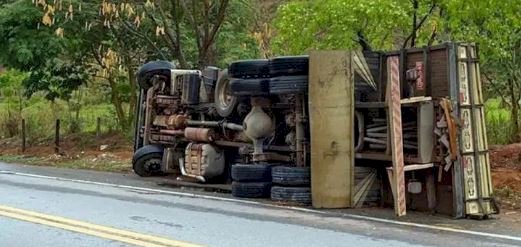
298 209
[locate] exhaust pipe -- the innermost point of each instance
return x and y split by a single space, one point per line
183 172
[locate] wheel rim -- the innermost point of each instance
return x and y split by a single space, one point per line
152 165
225 99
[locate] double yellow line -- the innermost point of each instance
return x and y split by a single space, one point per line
124 236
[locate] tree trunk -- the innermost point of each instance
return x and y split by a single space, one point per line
116 101
133 90
515 109
414 23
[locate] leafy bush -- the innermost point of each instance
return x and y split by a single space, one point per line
500 129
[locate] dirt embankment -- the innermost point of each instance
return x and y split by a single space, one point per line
506 174
109 152
506 166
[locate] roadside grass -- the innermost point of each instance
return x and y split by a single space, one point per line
104 163
40 116
508 198
498 120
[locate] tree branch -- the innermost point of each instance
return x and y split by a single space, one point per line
362 40
129 28
419 25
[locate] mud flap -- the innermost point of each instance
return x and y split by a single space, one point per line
331 109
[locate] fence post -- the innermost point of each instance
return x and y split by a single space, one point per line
98 127
23 135
57 137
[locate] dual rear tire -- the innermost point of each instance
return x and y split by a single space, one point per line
292 184
251 180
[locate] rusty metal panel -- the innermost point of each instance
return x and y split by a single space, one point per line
457 172
331 110
395 117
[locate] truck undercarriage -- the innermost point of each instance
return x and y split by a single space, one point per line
262 124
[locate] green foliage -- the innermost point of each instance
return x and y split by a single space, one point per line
11 93
234 41
11 84
58 79
24 46
499 124
336 24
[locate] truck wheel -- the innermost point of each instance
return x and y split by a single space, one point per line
251 190
300 195
291 176
289 66
250 87
147 71
225 103
256 68
251 173
289 84
147 161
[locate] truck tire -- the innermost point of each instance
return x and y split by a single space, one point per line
256 68
289 84
267 86
225 102
289 66
251 173
147 161
148 70
251 190
300 195
291 176
250 87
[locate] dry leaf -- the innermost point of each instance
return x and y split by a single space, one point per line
160 30
59 32
137 21
46 20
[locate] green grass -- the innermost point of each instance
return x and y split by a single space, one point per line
498 120
20 159
508 197
40 116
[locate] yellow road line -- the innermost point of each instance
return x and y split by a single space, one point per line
105 232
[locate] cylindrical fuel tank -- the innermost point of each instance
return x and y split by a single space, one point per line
203 160
210 75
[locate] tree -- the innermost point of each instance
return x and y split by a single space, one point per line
338 24
114 38
389 24
496 26
24 46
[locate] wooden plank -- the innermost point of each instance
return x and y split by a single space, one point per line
413 100
406 101
373 156
395 117
331 107
415 167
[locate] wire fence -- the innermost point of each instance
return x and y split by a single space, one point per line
31 133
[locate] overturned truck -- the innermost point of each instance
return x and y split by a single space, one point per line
334 129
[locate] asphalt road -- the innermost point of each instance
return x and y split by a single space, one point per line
39 211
